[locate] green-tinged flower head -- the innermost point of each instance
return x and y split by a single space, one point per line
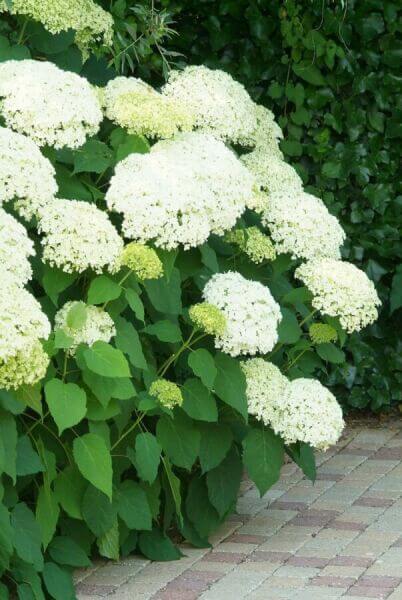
24 368
321 333
208 318
166 392
254 243
142 260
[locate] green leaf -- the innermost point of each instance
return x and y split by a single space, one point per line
66 551
165 331
62 340
69 488
165 293
47 514
55 281
174 485
198 401
263 457
50 43
179 439
98 511
103 359
230 383
223 483
30 395
67 403
94 462
216 440
147 456
330 353
8 436
128 341
135 303
58 582
28 461
396 292
6 537
308 72
203 365
125 143
133 507
77 316
156 546
199 509
303 455
208 257
94 156
103 289
289 331
26 536
108 543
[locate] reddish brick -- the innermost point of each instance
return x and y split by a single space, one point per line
373 502
207 577
227 557
347 525
380 581
387 454
329 477
307 561
280 505
333 581
360 590
237 518
272 557
313 518
172 594
241 538
350 561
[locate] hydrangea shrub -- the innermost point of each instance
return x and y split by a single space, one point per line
168 293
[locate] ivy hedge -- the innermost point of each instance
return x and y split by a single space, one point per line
331 73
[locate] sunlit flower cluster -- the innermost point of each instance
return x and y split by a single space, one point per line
208 318
166 392
53 107
26 176
26 367
267 133
86 17
141 110
180 192
341 290
301 225
97 325
221 105
15 250
79 236
271 173
142 260
252 242
266 387
252 315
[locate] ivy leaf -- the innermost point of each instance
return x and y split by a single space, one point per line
103 289
198 401
230 383
94 157
94 461
203 365
103 359
147 456
309 72
133 507
67 403
263 457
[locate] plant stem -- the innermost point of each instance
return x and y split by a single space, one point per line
293 362
185 346
129 430
21 35
122 280
308 317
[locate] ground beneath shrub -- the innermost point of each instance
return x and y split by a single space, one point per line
341 537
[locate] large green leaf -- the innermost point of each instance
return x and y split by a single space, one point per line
179 439
98 511
103 289
94 156
128 341
165 331
263 457
203 365
199 509
47 514
165 293
223 483
216 440
157 546
198 401
6 536
133 507
147 456
69 488
66 551
94 461
103 359
8 436
26 535
230 383
67 403
58 582
28 460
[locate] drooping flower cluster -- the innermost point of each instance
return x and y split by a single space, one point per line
221 105
97 325
302 410
252 242
26 176
86 17
166 392
142 260
208 318
341 290
301 225
79 236
53 107
26 367
15 250
271 173
136 106
181 192
252 315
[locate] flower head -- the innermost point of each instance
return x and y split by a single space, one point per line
321 333
271 173
252 242
51 106
266 387
341 290
142 260
27 367
252 315
221 105
208 318
15 250
267 133
79 236
95 324
166 392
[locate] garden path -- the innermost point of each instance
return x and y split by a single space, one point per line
341 538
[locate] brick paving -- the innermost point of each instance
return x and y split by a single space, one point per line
339 538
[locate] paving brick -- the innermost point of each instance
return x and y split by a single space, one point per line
380 581
373 502
351 561
281 505
276 557
242 538
228 557
332 581
307 561
359 591
347 525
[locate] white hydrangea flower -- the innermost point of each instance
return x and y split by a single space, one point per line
267 133
308 412
79 236
252 315
136 106
26 176
301 225
221 105
21 320
53 107
27 367
98 325
266 387
15 249
271 173
181 192
341 290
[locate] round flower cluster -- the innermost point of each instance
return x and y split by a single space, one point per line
86 17
26 176
271 173
208 318
166 392
221 105
301 225
252 315
252 242
142 261
267 132
266 387
26 367
79 236
97 325
15 250
341 290
181 192
53 107
141 110
321 333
